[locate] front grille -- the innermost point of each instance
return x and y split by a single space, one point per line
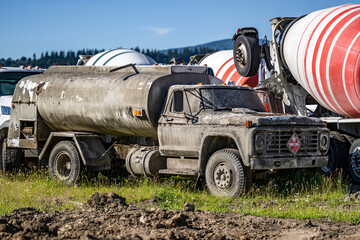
276 142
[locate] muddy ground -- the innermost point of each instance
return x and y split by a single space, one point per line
107 216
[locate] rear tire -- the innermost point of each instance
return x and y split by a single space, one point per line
354 161
225 174
64 162
10 158
338 154
246 54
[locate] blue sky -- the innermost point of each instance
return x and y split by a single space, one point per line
29 27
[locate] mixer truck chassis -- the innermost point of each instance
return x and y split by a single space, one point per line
314 59
158 120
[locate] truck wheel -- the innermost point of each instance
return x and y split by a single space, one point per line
246 55
64 162
354 161
225 174
10 158
338 153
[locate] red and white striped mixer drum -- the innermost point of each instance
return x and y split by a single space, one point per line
322 51
222 63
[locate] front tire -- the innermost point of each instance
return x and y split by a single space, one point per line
225 174
64 162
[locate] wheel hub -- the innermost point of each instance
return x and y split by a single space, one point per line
223 176
68 166
62 165
355 162
241 55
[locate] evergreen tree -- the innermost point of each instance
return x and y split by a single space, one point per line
70 57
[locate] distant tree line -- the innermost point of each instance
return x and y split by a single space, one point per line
71 57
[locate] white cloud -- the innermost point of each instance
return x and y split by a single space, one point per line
159 31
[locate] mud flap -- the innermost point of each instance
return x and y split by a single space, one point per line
93 153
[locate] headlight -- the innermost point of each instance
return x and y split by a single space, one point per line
260 143
323 141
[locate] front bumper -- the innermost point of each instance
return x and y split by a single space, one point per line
288 162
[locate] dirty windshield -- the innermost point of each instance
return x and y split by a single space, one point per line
9 80
222 98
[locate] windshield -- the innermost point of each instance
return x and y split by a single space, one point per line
8 81
225 98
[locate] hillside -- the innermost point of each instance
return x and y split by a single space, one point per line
161 56
224 44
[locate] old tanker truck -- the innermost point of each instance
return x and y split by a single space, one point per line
313 60
158 120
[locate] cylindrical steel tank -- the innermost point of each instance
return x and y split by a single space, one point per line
94 99
322 51
222 63
119 57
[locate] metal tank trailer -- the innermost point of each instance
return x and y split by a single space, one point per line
313 59
157 120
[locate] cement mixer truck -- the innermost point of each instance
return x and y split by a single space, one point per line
158 120
312 59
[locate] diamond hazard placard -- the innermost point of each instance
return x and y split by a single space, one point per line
294 144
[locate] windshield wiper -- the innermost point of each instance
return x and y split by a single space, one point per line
222 108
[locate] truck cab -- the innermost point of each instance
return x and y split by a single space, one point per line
225 133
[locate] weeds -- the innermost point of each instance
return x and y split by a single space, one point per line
294 194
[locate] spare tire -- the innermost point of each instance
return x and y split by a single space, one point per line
246 55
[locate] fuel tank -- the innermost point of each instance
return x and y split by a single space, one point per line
222 63
322 51
105 100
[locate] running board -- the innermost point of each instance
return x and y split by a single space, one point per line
188 172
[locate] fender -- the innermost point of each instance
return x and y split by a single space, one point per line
202 155
91 150
246 31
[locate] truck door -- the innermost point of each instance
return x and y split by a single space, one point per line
179 128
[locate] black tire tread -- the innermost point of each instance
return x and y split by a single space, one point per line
253 51
235 159
10 158
338 153
70 145
354 145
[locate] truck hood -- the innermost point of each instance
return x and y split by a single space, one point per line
5 100
240 116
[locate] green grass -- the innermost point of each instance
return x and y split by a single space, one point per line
301 195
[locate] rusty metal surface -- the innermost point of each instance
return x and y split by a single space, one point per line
186 172
287 163
98 99
49 142
186 133
122 150
102 100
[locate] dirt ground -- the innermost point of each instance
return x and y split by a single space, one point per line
107 216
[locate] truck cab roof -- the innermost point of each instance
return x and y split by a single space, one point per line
21 69
213 86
